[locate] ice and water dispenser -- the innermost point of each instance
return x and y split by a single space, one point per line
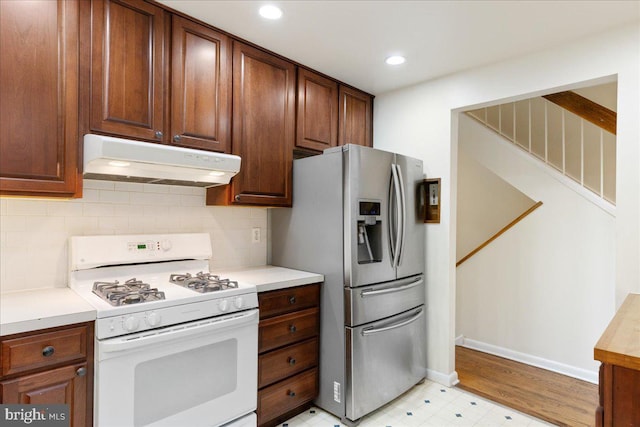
369 232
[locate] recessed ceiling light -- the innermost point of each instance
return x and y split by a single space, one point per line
270 12
395 60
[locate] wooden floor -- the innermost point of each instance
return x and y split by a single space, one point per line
552 397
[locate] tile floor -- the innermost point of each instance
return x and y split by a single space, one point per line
428 404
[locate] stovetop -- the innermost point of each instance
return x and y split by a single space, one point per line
203 282
128 280
133 291
113 290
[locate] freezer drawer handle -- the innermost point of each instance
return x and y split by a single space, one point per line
369 293
371 331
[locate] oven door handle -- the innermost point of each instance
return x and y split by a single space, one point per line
129 342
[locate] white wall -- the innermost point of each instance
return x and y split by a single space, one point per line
422 121
486 203
543 290
34 232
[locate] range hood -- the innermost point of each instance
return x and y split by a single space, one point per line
117 159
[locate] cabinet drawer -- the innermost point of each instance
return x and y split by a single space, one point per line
287 361
287 300
287 329
45 349
284 396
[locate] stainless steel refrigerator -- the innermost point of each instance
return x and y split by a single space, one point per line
355 220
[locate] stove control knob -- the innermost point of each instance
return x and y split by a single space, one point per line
224 305
238 302
131 323
153 319
166 245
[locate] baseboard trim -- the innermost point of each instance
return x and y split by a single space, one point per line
448 380
539 362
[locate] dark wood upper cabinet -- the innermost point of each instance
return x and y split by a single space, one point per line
317 120
356 117
263 129
128 68
39 98
200 87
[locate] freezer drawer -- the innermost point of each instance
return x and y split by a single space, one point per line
374 302
391 353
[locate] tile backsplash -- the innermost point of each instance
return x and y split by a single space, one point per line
34 233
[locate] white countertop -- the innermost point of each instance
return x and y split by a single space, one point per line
30 310
269 277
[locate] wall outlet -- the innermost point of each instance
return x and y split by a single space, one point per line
255 235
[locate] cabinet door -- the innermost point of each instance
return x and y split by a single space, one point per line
127 69
263 130
355 123
62 385
39 101
317 122
200 87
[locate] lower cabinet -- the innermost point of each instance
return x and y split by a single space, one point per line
288 352
619 396
53 366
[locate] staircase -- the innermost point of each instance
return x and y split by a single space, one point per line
566 131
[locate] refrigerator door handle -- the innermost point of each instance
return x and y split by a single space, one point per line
390 220
403 216
395 238
371 331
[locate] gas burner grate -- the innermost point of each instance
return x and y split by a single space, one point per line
132 291
202 282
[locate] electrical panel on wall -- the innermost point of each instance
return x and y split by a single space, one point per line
429 200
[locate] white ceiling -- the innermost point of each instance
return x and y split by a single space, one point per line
349 40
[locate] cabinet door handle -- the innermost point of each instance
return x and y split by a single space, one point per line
292 328
158 134
176 138
81 372
292 300
292 361
237 197
48 351
291 393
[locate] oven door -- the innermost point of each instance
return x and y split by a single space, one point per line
202 373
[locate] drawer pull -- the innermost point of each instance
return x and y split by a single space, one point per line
81 372
292 361
291 393
292 329
48 351
292 300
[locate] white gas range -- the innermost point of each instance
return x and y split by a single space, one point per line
175 344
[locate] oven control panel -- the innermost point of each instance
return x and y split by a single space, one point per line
149 246
87 252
